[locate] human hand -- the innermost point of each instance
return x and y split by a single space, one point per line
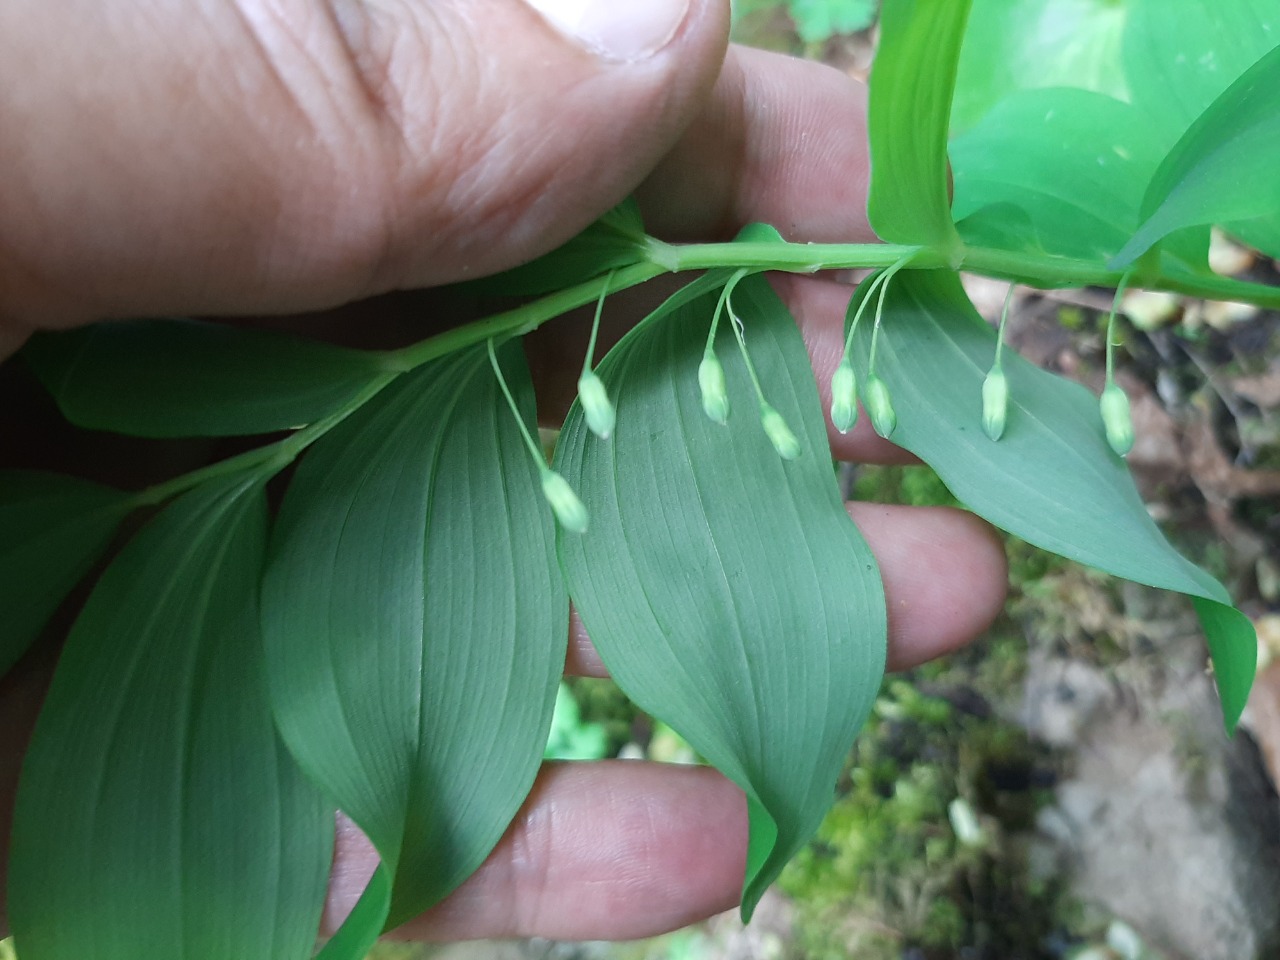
292 156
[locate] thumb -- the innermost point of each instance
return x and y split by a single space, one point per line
294 154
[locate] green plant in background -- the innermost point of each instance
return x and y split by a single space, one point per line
571 737
234 678
816 21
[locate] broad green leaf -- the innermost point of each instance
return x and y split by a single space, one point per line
1069 164
615 240
1014 45
1223 167
1179 64
1051 479
52 530
159 817
911 86
188 378
726 590
416 621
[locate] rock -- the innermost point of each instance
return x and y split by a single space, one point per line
1164 822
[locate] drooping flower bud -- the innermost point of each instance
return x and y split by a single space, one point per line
1115 418
780 435
995 403
715 399
564 502
844 397
879 406
596 406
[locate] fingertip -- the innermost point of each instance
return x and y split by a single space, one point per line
614 850
945 576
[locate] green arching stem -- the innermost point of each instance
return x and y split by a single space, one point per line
522 319
269 459
1029 269
534 450
1111 325
589 360
798 257
1035 270
1004 319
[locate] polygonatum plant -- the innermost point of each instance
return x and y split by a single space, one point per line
239 673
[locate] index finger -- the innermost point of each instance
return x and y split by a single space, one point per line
780 140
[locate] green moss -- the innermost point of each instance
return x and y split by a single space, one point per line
887 871
914 485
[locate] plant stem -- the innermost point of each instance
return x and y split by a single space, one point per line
270 458
523 319
1035 270
802 257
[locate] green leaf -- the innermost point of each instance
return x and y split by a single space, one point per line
726 589
52 530
1051 479
187 378
615 240
1014 45
911 87
158 816
1068 165
1178 65
817 21
1223 168
416 621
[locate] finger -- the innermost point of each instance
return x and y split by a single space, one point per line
944 572
286 156
780 140
945 576
600 851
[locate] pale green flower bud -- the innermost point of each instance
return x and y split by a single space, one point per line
844 397
564 502
995 403
876 395
780 435
1115 417
715 399
596 406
